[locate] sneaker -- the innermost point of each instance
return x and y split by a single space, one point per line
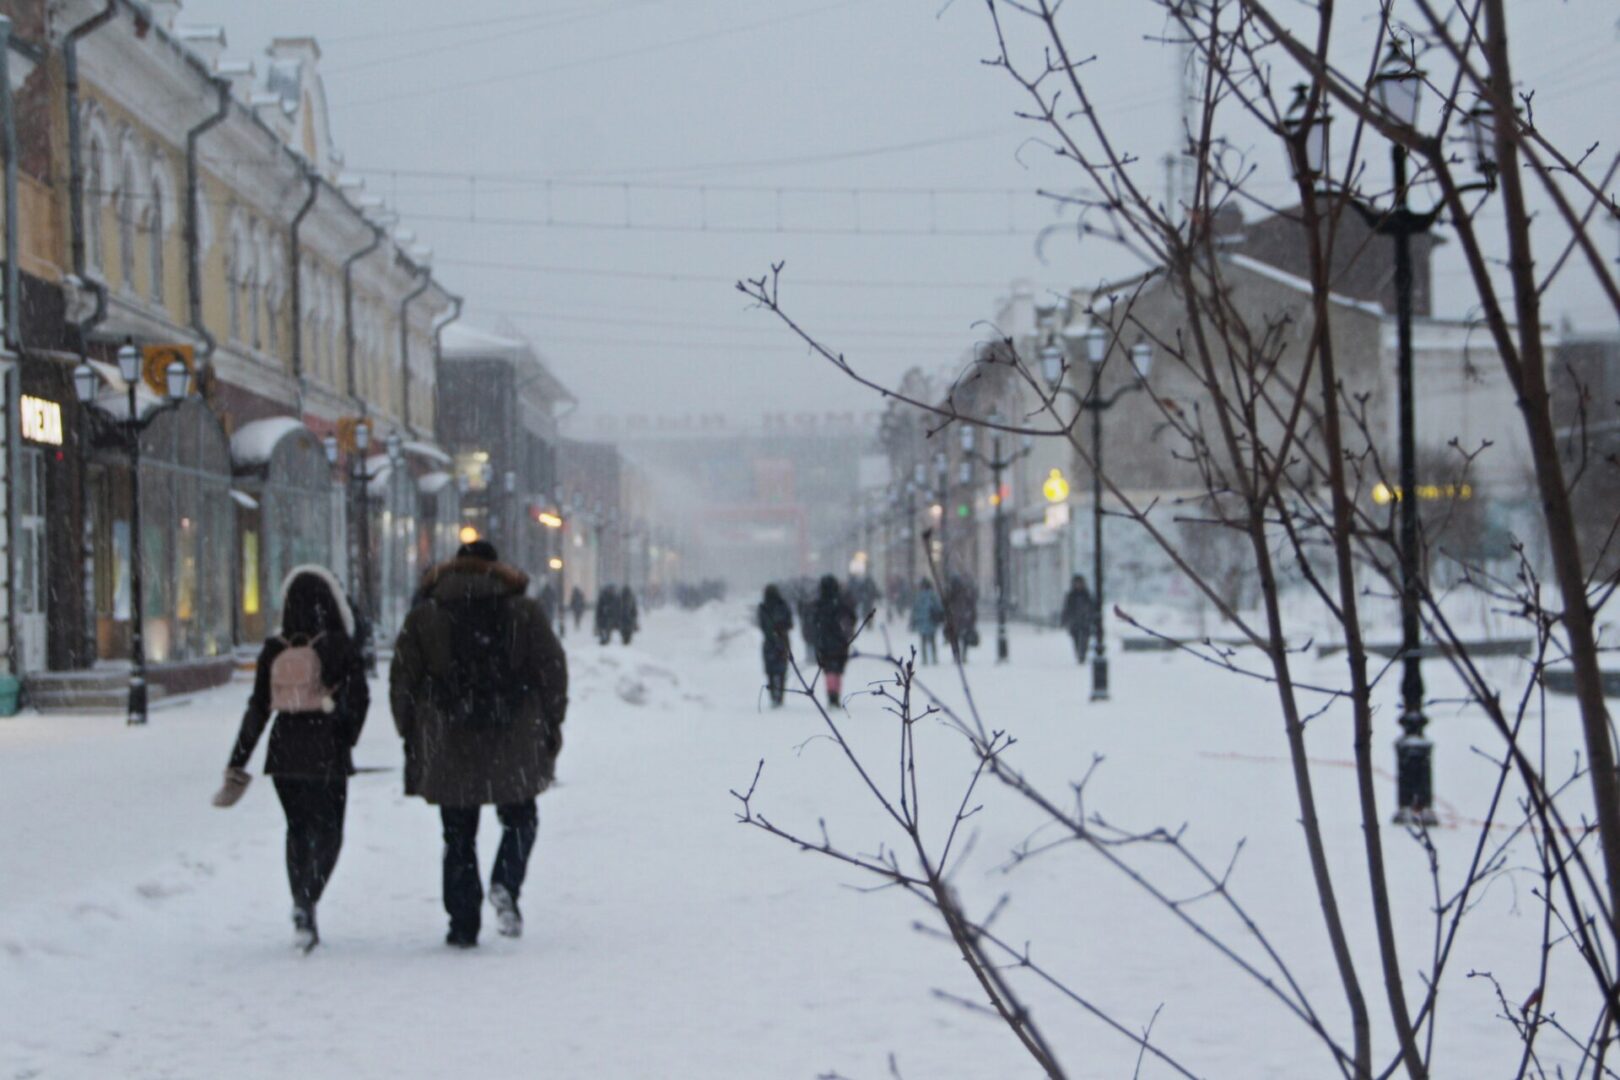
508 919
460 939
305 936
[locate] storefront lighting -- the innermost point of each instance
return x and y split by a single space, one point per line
549 520
555 563
468 534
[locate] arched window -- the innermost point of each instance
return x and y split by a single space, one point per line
274 289
255 292
236 271
156 235
95 194
125 203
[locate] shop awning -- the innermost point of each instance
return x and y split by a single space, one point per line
255 443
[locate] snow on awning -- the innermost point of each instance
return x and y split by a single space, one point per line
377 486
254 443
244 500
432 483
426 451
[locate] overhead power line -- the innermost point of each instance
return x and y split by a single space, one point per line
789 279
660 46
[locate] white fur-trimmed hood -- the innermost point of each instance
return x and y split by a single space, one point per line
338 596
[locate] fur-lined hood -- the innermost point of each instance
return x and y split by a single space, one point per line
505 574
340 600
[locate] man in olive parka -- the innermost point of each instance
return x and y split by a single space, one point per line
460 761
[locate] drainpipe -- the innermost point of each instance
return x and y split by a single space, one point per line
438 350
405 346
70 71
70 66
296 275
194 229
10 336
348 312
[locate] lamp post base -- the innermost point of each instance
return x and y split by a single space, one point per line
1414 776
1099 679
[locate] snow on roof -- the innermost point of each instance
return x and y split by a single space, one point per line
244 500
463 341
254 443
1299 284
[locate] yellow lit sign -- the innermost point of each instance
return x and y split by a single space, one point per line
41 420
468 534
1056 489
549 520
1383 494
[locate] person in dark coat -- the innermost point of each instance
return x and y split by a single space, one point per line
576 604
629 615
927 613
466 762
309 758
776 623
1079 616
548 601
961 615
833 628
607 613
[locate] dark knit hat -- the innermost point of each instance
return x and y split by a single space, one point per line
478 549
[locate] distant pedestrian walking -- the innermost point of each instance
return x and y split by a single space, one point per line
832 630
629 615
1079 616
577 605
479 687
961 615
312 677
927 613
607 613
776 623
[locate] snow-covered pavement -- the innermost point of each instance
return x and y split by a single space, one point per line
144 934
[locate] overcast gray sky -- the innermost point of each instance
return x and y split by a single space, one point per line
689 142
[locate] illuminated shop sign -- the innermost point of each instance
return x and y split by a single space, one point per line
41 421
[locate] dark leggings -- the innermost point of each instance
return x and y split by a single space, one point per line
463 893
314 810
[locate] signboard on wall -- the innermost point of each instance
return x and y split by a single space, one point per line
41 420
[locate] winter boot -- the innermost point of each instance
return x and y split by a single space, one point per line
461 939
508 919
305 936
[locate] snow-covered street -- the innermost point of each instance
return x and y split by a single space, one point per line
144 934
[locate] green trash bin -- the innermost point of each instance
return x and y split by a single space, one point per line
10 688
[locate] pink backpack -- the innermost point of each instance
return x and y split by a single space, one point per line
295 679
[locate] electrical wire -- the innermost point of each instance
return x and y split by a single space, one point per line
692 39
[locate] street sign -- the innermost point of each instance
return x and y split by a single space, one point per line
155 361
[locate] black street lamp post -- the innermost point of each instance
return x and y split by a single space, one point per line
360 559
1052 369
997 464
177 383
1397 87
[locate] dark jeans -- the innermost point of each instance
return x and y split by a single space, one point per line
928 649
1082 643
314 810
463 894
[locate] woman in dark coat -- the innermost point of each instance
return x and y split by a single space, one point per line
776 623
310 753
832 629
607 613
